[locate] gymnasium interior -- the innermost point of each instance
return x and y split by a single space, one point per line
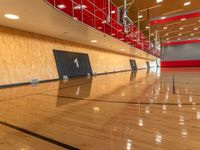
100 75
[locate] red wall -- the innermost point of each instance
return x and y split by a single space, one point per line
181 63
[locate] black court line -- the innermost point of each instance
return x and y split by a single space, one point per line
3 100
120 102
63 145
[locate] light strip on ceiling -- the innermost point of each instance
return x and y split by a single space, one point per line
172 12
149 8
173 24
159 1
187 3
189 25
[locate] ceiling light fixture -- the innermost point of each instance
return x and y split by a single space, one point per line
181 28
159 1
183 19
163 18
104 22
165 28
140 16
113 12
11 16
75 18
80 7
93 41
61 6
99 28
187 3
195 29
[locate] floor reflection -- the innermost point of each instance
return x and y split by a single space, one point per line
129 110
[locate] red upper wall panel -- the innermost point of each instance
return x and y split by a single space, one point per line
175 18
181 42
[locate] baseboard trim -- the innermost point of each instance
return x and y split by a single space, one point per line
105 73
57 79
25 83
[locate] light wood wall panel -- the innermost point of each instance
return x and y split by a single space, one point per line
25 56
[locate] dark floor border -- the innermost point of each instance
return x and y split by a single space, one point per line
44 138
120 102
50 80
25 83
113 72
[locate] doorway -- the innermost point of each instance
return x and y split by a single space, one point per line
133 65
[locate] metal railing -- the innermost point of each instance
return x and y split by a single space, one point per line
95 14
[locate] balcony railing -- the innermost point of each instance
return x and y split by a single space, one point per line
95 14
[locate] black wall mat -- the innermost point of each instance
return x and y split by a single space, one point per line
72 64
133 64
148 65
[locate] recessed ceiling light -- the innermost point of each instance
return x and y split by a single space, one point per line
167 34
80 7
191 34
99 28
61 6
195 29
104 21
165 28
140 16
147 27
167 39
181 28
75 18
187 3
163 18
158 1
113 12
180 34
183 19
11 16
122 49
93 41
83 7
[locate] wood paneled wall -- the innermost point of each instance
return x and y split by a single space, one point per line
25 56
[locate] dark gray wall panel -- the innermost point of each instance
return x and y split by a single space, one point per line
182 52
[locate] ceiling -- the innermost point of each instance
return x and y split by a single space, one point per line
166 8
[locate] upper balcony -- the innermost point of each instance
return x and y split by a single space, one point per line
104 16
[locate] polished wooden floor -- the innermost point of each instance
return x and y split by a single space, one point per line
144 110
